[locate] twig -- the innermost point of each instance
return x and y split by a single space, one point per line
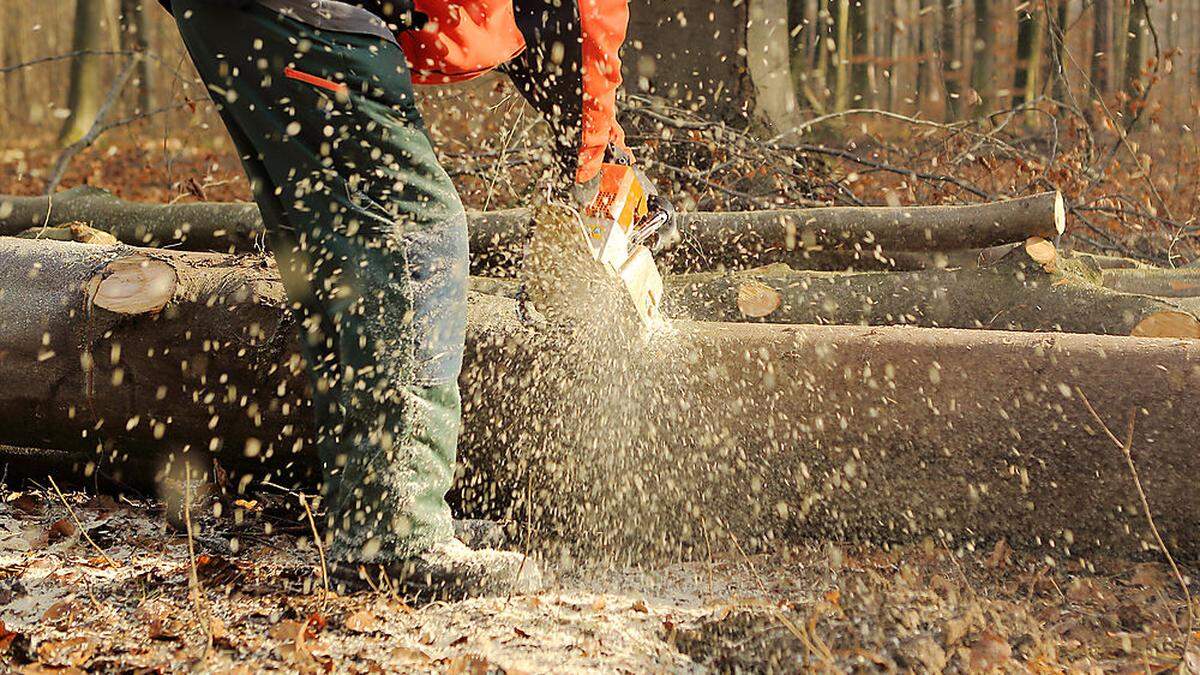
78 524
97 128
800 634
1126 448
194 576
312 523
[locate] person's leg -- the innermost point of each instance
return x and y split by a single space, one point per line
370 236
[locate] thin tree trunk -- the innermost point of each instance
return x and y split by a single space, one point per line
951 59
1062 83
1135 50
841 79
135 37
861 55
983 59
1101 45
768 58
87 72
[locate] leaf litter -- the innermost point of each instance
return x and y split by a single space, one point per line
916 607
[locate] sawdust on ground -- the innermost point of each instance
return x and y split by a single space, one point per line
68 607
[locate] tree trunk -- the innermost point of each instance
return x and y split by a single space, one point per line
951 59
739 239
1028 58
1062 81
694 55
983 60
862 56
924 89
768 47
841 65
1101 45
1016 294
86 93
135 37
786 432
1135 52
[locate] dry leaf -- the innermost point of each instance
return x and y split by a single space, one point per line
62 614
999 556
989 653
6 638
519 632
27 504
408 655
469 664
599 605
361 621
640 606
61 529
74 651
1148 575
1169 324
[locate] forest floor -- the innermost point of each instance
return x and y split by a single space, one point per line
118 596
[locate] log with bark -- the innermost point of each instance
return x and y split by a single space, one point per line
770 432
825 238
1015 293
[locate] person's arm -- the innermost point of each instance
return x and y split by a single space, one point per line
223 3
570 71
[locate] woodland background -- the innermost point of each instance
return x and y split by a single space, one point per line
733 106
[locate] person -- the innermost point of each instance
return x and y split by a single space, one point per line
370 235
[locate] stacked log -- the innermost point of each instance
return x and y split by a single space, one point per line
886 422
772 432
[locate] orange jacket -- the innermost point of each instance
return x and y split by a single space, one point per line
571 74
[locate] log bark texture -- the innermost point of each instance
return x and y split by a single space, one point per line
771 432
831 237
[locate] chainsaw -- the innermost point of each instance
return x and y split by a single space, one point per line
597 259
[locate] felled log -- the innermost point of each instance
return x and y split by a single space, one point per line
1015 293
1163 283
822 237
768 432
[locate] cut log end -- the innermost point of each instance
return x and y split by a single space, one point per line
757 300
1168 325
136 285
1043 253
1060 213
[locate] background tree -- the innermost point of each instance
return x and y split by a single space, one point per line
86 92
135 37
951 58
982 63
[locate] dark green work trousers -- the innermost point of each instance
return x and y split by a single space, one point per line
371 241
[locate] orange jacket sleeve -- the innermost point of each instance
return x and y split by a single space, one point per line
603 27
570 71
